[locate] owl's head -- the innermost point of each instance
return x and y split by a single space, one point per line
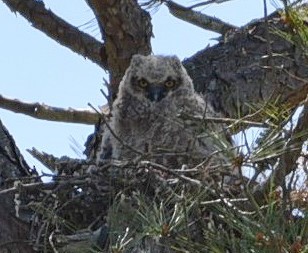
155 77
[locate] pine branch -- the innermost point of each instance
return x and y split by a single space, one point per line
45 112
287 162
59 30
199 19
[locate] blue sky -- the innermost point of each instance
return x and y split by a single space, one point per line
35 68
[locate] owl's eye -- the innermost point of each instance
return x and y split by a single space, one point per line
142 83
170 83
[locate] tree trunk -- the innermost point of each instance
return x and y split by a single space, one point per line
14 233
249 66
253 64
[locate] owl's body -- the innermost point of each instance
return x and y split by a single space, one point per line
145 116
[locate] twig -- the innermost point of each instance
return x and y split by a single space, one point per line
215 201
45 112
113 133
54 163
109 95
160 167
26 186
233 122
51 242
287 162
199 19
268 40
44 186
207 3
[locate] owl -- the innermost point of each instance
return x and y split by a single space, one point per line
152 116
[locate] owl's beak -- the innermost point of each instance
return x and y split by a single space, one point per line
156 92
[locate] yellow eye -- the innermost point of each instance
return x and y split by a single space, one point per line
170 83
142 83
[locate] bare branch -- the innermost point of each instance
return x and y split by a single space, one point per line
199 19
44 186
207 3
45 112
162 168
233 122
56 164
59 30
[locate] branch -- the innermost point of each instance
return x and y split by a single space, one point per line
44 186
81 241
59 30
162 168
233 122
207 3
12 162
56 164
240 65
45 112
287 162
199 19
126 29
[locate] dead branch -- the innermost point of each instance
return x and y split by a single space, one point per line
81 239
199 19
30 186
234 123
45 112
58 165
60 30
44 186
162 168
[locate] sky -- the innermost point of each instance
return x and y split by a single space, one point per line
35 68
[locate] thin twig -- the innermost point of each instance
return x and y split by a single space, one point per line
199 19
51 242
207 3
160 167
113 133
233 122
43 185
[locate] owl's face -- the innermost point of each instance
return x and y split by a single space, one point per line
155 77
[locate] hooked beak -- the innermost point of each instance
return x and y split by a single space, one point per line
156 93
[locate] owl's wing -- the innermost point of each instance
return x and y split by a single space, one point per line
94 141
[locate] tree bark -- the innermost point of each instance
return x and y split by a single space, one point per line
14 233
251 66
126 29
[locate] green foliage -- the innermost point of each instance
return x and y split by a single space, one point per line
296 19
223 224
